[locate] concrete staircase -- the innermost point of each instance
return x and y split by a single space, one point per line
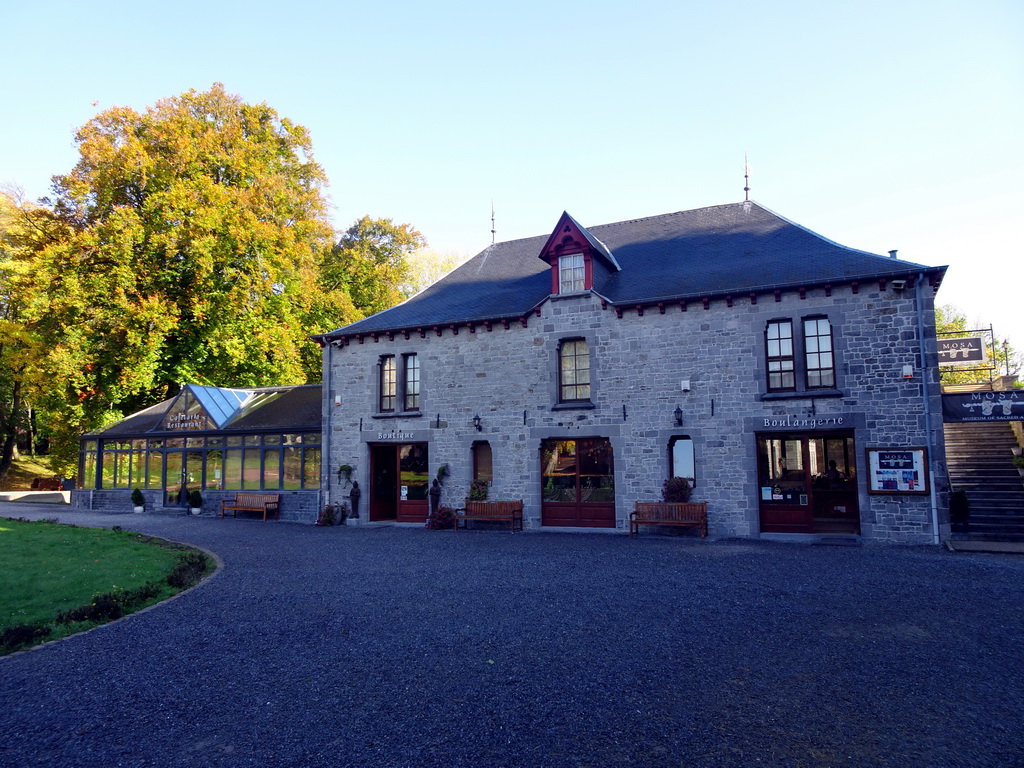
979 457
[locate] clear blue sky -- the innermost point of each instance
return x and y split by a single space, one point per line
878 124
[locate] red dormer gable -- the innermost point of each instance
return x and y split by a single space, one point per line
569 238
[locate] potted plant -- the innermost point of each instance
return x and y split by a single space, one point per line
677 490
326 515
442 473
345 473
1018 462
138 502
478 490
195 502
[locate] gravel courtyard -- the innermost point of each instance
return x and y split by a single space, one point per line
394 646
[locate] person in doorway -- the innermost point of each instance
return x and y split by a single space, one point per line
835 477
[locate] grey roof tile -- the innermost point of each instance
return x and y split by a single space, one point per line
736 248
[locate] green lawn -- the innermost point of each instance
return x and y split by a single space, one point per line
49 569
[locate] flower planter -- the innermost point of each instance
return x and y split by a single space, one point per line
196 510
138 510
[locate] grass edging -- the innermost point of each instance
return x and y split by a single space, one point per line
192 566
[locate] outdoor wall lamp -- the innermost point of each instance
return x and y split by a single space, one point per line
678 413
476 423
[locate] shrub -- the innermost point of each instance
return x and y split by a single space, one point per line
445 518
189 570
677 489
138 499
195 499
20 635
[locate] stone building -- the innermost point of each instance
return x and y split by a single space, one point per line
793 378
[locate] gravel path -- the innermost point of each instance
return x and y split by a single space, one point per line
404 647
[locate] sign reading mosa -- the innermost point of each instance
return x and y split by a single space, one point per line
962 351
983 406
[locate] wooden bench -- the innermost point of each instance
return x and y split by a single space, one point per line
502 511
46 484
266 503
692 514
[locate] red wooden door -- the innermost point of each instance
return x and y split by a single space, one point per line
578 483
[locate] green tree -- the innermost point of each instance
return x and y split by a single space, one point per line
370 261
25 229
194 233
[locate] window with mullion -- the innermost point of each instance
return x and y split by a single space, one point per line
820 361
388 383
412 383
779 354
571 273
574 371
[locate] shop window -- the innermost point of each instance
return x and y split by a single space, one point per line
571 273
779 350
574 371
818 353
680 458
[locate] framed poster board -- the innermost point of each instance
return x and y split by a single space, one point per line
897 470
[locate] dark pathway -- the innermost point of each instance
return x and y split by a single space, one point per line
406 647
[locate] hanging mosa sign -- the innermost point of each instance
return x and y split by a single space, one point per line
983 406
966 350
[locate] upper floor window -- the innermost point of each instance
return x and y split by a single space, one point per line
574 371
412 383
779 351
571 273
818 351
388 383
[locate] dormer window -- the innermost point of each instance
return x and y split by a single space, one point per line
571 273
576 257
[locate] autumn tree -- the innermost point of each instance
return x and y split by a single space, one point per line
370 261
426 266
195 230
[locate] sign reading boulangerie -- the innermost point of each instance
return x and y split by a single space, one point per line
983 406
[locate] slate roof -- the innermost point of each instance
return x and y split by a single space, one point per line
285 409
732 249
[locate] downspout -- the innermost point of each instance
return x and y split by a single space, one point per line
926 391
325 469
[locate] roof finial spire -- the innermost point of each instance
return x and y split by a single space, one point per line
494 231
746 179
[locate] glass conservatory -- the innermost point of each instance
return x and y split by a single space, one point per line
210 439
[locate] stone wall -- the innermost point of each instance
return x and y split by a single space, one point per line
296 506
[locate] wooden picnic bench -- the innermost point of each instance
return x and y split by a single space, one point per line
267 503
502 511
691 513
